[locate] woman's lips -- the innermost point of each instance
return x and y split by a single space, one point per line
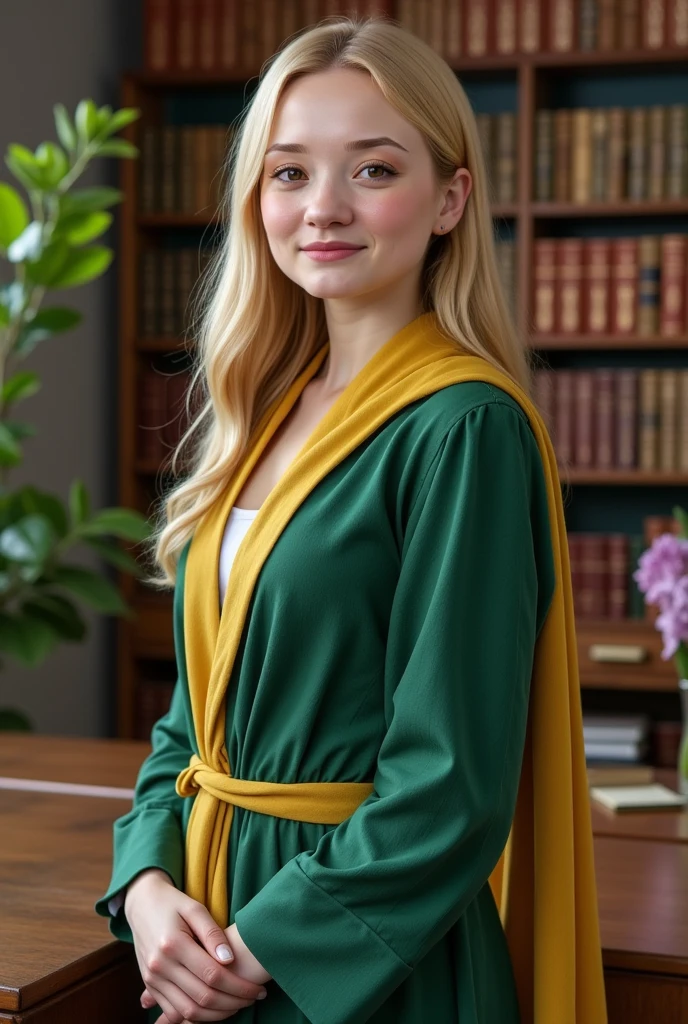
327 255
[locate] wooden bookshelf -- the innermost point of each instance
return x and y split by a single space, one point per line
147 643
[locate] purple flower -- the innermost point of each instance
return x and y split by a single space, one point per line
673 620
661 567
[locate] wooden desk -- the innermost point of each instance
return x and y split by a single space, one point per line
63 965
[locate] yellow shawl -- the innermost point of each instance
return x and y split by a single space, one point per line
544 883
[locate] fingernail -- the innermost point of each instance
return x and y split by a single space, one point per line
262 995
224 953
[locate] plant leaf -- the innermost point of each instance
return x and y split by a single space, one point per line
58 612
28 246
118 147
10 452
30 540
24 166
17 721
83 265
14 217
121 559
66 132
27 639
80 228
122 522
35 502
95 590
22 385
46 269
121 118
89 200
79 503
86 121
54 162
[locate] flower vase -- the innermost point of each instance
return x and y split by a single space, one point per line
683 745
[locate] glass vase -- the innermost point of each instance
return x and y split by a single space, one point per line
683 745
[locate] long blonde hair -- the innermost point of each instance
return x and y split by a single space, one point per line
256 329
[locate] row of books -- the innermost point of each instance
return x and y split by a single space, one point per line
616 419
499 141
614 286
180 167
602 567
167 279
225 36
586 155
168 276
161 417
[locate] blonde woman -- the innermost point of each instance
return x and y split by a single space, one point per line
370 786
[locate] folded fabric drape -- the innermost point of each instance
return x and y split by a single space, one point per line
544 883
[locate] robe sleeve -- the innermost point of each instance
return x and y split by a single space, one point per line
151 834
339 927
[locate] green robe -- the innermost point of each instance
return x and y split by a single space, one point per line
390 637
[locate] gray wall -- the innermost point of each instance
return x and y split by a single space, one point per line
62 52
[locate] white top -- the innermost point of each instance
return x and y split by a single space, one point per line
238 522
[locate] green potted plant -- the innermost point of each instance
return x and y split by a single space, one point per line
46 242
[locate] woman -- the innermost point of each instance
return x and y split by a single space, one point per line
370 784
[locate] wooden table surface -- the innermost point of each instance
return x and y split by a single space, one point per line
52 936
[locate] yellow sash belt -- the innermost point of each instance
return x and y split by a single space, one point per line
544 882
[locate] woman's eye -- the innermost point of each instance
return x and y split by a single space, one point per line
368 167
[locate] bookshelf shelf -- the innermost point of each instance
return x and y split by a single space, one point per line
612 477
517 83
626 208
607 341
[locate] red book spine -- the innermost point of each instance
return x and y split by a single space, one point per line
605 416
158 35
545 250
596 306
626 419
617 557
654 24
583 420
563 418
594 576
186 31
672 311
208 35
506 26
568 288
479 27
624 285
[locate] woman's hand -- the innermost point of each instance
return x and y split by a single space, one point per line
175 940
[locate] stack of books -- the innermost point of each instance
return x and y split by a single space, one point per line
619 739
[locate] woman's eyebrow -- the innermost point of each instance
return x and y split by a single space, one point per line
297 147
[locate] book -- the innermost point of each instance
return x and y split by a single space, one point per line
619 728
620 774
653 796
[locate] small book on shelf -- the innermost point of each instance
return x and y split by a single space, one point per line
653 797
620 774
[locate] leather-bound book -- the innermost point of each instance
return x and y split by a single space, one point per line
229 34
604 390
169 314
169 169
157 32
607 28
653 25
648 419
506 157
599 135
506 34
629 24
618 568
562 155
587 25
638 163
581 153
624 300
677 23
562 34
596 286
594 575
657 170
533 25
186 36
626 408
668 420
563 417
208 35
544 250
584 440
677 151
649 264
149 293
569 286
149 169
453 41
150 415
545 399
617 141
544 155
672 313
479 27
187 182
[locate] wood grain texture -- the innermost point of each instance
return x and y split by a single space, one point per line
71 759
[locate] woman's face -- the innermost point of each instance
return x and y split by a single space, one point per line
320 183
